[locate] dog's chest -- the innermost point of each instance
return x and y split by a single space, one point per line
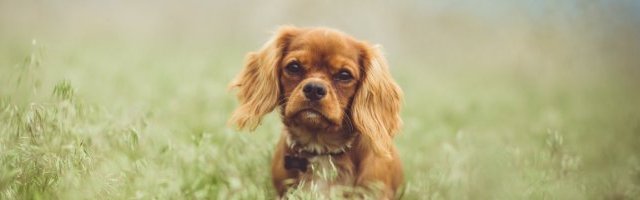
326 173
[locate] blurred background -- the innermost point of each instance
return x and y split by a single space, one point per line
503 100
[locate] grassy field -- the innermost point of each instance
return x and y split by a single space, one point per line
541 115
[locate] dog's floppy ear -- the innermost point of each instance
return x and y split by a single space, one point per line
257 83
376 106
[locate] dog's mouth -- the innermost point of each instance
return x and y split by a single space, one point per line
312 118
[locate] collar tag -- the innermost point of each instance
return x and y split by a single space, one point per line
294 162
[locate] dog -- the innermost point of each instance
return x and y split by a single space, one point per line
339 106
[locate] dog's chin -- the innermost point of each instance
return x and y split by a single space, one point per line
311 119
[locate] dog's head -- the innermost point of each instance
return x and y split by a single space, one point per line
324 81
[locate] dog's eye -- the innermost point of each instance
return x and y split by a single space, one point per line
294 68
343 76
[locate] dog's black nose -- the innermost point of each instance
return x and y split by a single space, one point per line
314 91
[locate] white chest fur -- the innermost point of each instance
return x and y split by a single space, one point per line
324 176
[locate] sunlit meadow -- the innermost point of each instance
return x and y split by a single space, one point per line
129 99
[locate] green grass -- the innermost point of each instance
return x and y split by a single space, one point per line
98 121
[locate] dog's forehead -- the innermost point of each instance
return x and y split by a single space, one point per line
325 42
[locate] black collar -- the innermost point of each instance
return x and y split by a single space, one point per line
300 161
298 158
297 163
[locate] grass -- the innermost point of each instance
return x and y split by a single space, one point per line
96 121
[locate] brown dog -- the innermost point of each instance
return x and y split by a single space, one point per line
340 108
